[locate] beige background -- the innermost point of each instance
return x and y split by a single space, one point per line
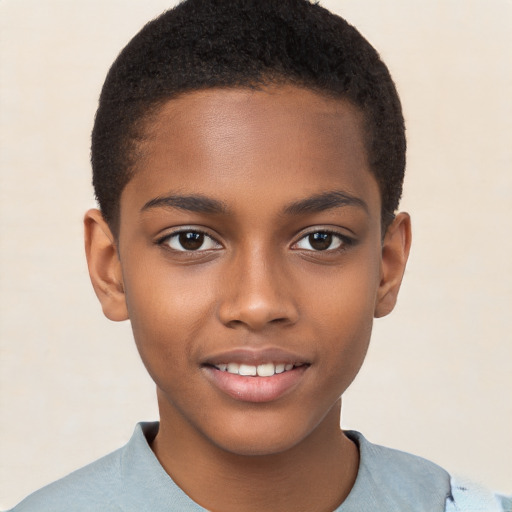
438 379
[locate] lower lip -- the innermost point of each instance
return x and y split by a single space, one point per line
255 389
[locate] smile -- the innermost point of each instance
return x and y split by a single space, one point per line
261 370
256 375
264 382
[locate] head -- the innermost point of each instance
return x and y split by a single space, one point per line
205 44
247 155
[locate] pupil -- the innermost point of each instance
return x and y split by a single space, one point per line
191 241
320 241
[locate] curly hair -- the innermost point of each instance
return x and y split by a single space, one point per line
203 44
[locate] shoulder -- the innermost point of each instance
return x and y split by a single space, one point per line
467 496
92 487
392 480
120 481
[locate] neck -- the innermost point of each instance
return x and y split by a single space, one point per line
315 475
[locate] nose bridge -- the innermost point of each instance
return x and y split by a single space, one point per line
258 290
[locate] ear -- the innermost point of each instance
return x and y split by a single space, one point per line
395 251
104 266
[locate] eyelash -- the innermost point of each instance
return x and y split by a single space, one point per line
343 241
166 240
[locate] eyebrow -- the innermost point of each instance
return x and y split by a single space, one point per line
203 204
324 201
191 203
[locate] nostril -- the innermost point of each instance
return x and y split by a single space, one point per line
258 323
233 324
281 320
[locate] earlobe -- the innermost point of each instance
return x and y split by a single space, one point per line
104 266
395 252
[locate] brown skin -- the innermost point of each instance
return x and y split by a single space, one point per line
257 281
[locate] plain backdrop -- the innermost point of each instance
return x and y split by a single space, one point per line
438 379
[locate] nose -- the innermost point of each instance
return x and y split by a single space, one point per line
258 293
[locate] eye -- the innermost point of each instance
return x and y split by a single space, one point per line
321 241
186 241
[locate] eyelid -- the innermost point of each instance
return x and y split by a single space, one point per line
346 240
161 240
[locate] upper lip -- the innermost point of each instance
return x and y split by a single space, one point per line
255 357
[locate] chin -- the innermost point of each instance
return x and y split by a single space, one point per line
261 436
259 446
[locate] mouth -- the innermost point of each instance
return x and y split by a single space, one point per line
260 370
255 376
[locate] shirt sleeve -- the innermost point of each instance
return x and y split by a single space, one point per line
467 496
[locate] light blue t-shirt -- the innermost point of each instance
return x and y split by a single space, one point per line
132 480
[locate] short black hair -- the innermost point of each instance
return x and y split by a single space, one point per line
202 44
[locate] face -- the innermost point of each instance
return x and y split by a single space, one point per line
251 262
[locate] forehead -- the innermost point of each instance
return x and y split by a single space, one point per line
278 143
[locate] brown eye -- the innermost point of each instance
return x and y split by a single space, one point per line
191 241
186 241
321 241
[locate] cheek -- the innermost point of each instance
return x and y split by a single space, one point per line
344 319
345 297
168 310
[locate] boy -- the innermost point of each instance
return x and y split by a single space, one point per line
248 160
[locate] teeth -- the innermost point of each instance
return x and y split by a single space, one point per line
233 367
265 370
248 370
279 368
